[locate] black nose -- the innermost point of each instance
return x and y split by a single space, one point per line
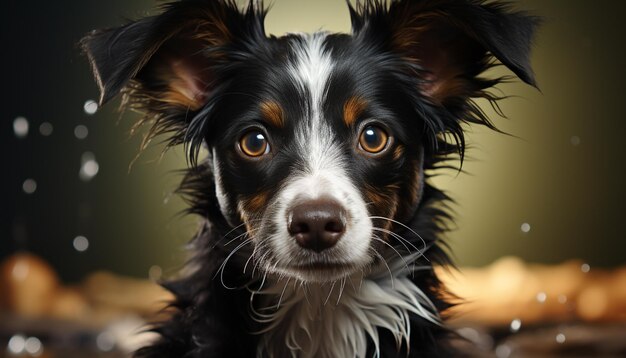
317 224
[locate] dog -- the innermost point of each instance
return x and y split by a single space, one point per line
320 226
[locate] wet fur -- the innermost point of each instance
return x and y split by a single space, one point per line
381 70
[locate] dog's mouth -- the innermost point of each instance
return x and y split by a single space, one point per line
313 268
320 266
318 271
323 270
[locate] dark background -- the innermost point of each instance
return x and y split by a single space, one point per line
562 173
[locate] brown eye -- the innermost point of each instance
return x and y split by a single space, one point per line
254 144
373 139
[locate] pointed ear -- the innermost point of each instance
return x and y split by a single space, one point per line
166 59
452 41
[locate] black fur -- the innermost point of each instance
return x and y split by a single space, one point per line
240 67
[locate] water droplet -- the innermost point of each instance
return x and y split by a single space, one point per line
81 131
45 129
20 127
503 351
33 346
81 243
516 324
90 107
17 343
155 272
29 186
20 270
88 170
541 297
105 342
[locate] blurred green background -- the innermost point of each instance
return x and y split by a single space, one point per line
551 191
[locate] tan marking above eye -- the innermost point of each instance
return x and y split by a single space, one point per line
273 113
254 144
373 139
352 109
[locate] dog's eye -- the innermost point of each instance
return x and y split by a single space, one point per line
373 139
254 144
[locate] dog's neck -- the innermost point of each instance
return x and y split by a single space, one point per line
338 319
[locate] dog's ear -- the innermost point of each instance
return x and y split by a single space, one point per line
451 41
165 62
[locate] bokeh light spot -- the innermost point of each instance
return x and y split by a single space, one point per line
541 297
155 272
17 343
81 243
90 107
20 270
585 268
105 342
33 346
503 351
516 324
88 170
81 131
29 186
20 127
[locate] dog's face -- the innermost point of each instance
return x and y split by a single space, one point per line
315 149
318 143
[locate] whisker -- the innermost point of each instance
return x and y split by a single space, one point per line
406 264
341 287
330 292
401 240
422 252
362 278
234 229
352 284
282 293
240 235
385 262
305 291
248 261
223 265
258 263
397 236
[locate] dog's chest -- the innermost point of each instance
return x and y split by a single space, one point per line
339 319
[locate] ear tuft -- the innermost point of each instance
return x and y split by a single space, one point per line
452 41
171 52
166 65
116 55
444 47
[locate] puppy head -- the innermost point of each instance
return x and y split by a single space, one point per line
318 143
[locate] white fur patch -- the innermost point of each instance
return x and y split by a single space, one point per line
321 174
331 320
314 136
219 189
